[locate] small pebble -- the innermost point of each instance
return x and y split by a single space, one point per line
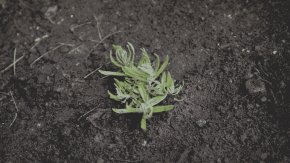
264 99
100 160
144 143
255 86
264 156
275 52
201 122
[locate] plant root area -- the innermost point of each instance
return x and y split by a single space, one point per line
233 56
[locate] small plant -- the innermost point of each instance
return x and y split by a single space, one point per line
143 86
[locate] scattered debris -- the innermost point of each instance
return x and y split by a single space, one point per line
201 122
53 49
38 40
51 13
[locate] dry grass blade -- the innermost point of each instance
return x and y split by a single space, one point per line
11 65
88 112
14 64
16 107
103 39
53 49
89 74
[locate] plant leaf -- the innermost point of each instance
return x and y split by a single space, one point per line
114 97
114 61
143 92
159 109
147 68
131 52
145 58
135 73
110 73
162 67
154 101
157 63
127 110
169 82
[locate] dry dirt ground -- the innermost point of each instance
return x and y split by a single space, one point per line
233 56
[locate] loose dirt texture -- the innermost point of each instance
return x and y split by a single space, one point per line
234 57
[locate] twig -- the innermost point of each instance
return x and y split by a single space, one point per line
55 48
98 27
16 107
14 64
74 49
73 27
274 98
11 65
89 74
106 37
38 40
86 113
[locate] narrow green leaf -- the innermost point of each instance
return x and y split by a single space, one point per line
158 109
143 92
114 61
145 58
114 97
155 100
157 63
135 73
169 82
131 52
147 68
110 73
162 67
127 110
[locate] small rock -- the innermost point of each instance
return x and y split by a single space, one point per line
64 49
51 12
264 99
98 138
244 137
275 52
282 84
249 75
264 156
201 122
100 160
255 86
66 131
144 143
257 48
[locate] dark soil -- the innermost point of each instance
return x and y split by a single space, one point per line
234 57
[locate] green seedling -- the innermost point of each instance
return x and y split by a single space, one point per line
143 86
